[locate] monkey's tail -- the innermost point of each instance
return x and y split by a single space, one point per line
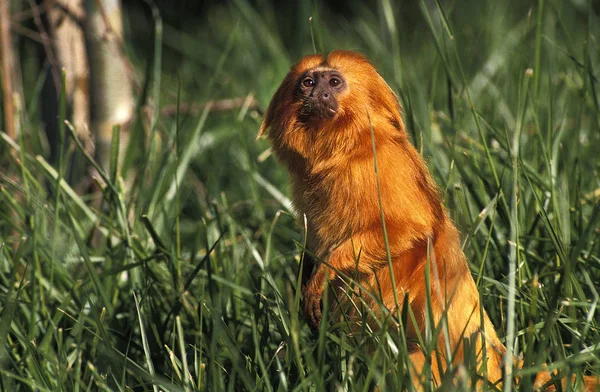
590 383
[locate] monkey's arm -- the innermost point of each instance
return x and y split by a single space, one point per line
350 258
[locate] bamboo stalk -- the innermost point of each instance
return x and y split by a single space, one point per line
6 59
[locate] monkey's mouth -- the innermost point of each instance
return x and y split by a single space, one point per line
317 110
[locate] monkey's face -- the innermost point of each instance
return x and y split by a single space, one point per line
319 91
327 106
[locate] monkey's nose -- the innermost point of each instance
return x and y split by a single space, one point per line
325 96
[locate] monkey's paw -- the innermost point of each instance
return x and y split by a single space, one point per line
312 310
313 294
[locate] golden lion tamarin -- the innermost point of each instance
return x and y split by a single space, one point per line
322 123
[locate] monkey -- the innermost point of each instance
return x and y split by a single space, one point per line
333 119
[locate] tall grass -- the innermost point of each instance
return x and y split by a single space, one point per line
180 271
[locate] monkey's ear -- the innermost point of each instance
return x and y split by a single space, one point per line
263 126
268 116
276 103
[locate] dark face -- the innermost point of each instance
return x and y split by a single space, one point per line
319 90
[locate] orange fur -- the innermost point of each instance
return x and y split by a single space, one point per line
331 165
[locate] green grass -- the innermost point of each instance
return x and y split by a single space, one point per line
186 281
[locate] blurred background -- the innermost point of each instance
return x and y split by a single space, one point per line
147 239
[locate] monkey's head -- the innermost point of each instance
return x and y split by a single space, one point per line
326 106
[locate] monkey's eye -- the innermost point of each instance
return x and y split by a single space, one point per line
334 82
308 82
